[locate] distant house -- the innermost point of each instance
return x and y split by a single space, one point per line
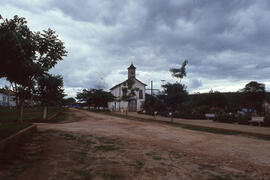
135 103
6 95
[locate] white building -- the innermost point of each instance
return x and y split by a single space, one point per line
125 88
4 98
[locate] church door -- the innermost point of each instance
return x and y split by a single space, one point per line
132 105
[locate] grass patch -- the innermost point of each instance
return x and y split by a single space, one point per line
110 176
60 117
107 147
29 114
84 174
209 129
154 155
7 129
206 166
69 136
52 110
138 164
105 140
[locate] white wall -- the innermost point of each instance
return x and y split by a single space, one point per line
4 99
117 92
118 106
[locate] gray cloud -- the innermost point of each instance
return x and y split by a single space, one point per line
226 42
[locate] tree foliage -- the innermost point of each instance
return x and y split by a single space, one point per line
129 92
254 95
153 103
179 72
69 100
174 95
95 97
26 56
49 90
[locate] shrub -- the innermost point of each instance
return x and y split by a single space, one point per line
225 118
231 118
266 120
243 119
187 115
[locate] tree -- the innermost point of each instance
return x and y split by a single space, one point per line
95 97
17 54
254 95
49 91
153 103
26 55
69 100
179 72
175 94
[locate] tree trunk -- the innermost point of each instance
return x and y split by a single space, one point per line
45 112
8 99
20 113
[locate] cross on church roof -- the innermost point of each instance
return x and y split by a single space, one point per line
131 66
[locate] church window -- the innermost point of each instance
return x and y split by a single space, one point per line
140 94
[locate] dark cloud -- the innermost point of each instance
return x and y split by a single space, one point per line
224 41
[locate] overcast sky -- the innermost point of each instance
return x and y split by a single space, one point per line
227 42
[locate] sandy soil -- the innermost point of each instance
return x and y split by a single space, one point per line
98 146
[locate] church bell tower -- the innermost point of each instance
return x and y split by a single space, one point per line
131 71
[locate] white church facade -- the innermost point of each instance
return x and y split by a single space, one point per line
135 90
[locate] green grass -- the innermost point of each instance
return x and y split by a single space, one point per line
69 136
107 147
209 129
84 174
53 110
110 176
60 117
138 164
154 155
29 114
7 129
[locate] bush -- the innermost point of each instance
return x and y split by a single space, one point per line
231 118
225 118
243 119
186 115
266 120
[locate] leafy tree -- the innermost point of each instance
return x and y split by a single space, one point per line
95 97
175 95
254 95
49 91
26 55
69 100
17 54
153 103
179 72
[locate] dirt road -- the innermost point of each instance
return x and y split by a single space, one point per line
104 147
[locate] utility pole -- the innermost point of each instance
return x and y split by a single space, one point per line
151 88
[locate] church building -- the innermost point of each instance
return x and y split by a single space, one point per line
130 94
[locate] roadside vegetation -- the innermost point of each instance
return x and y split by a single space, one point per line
26 61
190 127
9 124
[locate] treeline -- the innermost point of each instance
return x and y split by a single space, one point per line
174 98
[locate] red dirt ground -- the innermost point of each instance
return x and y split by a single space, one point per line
98 146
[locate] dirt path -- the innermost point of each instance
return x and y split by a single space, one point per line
104 147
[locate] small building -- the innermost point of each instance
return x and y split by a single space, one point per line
135 91
5 96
